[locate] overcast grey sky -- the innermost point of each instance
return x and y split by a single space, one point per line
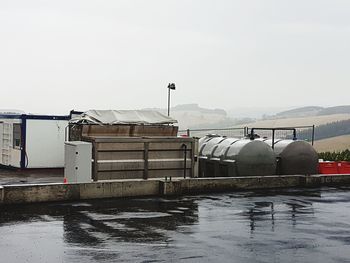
113 54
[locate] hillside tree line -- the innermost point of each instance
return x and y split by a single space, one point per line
325 131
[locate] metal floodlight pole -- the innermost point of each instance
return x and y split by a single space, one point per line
170 86
168 101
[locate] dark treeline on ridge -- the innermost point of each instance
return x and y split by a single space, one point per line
325 131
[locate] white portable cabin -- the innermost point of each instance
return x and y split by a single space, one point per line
32 141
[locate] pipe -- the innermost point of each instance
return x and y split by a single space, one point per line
184 146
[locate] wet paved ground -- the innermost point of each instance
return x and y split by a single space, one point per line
305 225
30 176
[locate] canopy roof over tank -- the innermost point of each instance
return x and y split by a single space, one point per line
109 117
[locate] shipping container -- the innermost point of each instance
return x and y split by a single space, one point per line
32 141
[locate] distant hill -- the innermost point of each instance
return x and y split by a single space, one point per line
335 110
311 111
254 112
300 112
192 116
338 143
195 107
298 121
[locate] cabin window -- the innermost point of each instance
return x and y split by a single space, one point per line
17 136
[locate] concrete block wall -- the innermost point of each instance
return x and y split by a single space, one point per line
21 194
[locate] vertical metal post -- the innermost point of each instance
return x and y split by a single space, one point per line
23 141
294 134
188 133
194 158
273 138
252 134
184 146
145 158
66 133
95 162
313 135
168 101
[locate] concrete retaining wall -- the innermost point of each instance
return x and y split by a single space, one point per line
205 185
127 188
21 194
39 193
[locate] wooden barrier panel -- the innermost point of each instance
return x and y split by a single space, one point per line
142 157
78 131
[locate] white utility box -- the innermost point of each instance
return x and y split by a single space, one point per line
77 162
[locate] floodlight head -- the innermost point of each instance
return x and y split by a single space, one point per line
171 86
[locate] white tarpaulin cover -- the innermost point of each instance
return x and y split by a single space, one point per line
122 117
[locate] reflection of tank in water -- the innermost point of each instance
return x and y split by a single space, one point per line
132 220
220 156
105 221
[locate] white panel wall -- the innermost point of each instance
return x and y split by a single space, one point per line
45 143
14 157
15 160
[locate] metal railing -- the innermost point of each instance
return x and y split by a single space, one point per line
239 132
305 133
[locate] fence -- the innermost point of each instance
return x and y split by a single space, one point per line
235 132
305 133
